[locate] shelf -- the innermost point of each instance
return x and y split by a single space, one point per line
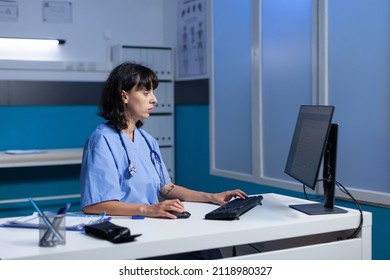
47 158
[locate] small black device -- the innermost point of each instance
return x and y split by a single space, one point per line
181 215
314 139
234 208
111 232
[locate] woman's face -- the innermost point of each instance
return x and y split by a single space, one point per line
139 103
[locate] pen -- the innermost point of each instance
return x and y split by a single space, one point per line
45 220
64 209
56 221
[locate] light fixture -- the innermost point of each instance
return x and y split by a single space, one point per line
31 41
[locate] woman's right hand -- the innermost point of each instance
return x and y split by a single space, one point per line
161 209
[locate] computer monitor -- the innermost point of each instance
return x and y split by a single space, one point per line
315 141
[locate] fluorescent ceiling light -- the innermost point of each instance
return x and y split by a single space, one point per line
31 42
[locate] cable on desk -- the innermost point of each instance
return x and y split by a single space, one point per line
359 228
344 190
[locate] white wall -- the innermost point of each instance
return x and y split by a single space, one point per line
96 25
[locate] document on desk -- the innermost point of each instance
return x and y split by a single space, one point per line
74 222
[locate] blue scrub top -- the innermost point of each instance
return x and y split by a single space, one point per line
104 169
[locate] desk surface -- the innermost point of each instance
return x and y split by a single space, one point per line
273 220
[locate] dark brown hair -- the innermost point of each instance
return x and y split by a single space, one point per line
125 77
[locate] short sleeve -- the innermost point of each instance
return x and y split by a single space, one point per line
99 177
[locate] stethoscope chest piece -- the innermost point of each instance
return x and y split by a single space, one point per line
154 157
132 169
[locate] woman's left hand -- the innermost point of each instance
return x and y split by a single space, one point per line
223 197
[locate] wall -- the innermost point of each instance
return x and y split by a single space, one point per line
95 25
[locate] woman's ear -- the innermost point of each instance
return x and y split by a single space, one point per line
125 96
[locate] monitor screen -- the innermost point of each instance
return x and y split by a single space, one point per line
315 141
308 143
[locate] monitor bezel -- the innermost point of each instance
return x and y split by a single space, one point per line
328 158
298 126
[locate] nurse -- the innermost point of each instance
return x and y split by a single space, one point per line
122 172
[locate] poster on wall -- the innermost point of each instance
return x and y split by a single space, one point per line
9 11
57 11
192 45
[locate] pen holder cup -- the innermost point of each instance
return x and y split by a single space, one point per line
52 230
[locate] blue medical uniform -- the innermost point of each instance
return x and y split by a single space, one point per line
105 175
104 169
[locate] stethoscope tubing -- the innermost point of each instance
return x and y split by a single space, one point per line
153 158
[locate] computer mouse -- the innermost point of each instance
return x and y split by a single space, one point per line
181 215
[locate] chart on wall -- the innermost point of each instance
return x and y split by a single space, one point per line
192 60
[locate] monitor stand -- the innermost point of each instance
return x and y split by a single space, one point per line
317 209
329 171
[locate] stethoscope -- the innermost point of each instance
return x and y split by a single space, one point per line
154 157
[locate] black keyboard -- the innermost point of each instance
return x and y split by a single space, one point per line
234 208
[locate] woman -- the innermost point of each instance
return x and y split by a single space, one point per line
122 172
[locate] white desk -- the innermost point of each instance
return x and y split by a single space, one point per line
285 234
